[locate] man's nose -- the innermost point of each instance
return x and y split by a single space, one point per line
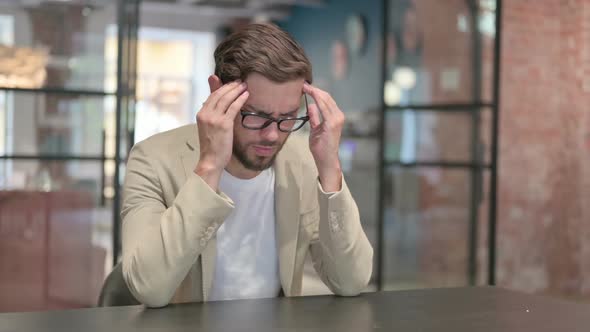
270 133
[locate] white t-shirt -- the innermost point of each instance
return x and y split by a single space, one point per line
247 264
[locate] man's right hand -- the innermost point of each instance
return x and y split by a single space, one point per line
215 121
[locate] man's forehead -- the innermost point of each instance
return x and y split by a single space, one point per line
274 104
260 84
270 110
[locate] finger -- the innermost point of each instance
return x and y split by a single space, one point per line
214 97
322 106
320 99
321 94
331 103
314 116
229 97
336 114
214 83
237 105
316 93
307 88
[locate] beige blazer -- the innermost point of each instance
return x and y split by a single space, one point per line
170 218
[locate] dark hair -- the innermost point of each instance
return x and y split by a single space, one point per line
264 49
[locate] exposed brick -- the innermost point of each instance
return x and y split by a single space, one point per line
543 217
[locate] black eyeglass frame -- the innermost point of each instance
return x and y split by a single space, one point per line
270 119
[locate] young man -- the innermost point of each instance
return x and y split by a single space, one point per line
229 208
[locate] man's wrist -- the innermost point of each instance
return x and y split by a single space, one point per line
331 178
209 173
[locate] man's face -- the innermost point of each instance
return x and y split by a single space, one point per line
256 149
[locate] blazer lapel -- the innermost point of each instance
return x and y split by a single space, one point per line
287 200
288 174
189 160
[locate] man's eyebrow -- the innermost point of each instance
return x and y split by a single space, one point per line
251 108
291 113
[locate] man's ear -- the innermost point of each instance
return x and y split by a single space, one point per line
214 83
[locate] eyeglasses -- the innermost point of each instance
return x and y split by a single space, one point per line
256 121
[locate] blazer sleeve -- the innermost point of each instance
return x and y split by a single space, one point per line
161 243
341 253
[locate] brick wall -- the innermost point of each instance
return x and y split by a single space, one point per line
544 185
444 193
544 192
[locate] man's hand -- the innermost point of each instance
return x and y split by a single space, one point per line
216 122
324 139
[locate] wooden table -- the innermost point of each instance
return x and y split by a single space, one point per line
484 309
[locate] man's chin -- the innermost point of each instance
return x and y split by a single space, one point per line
254 161
258 163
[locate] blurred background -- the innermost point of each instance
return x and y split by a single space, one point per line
466 144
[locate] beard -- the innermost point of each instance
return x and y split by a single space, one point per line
255 163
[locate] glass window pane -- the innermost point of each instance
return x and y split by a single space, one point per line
57 44
412 136
487 29
433 54
483 230
360 165
50 124
427 228
55 235
170 89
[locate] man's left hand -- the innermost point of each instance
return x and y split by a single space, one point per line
324 139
